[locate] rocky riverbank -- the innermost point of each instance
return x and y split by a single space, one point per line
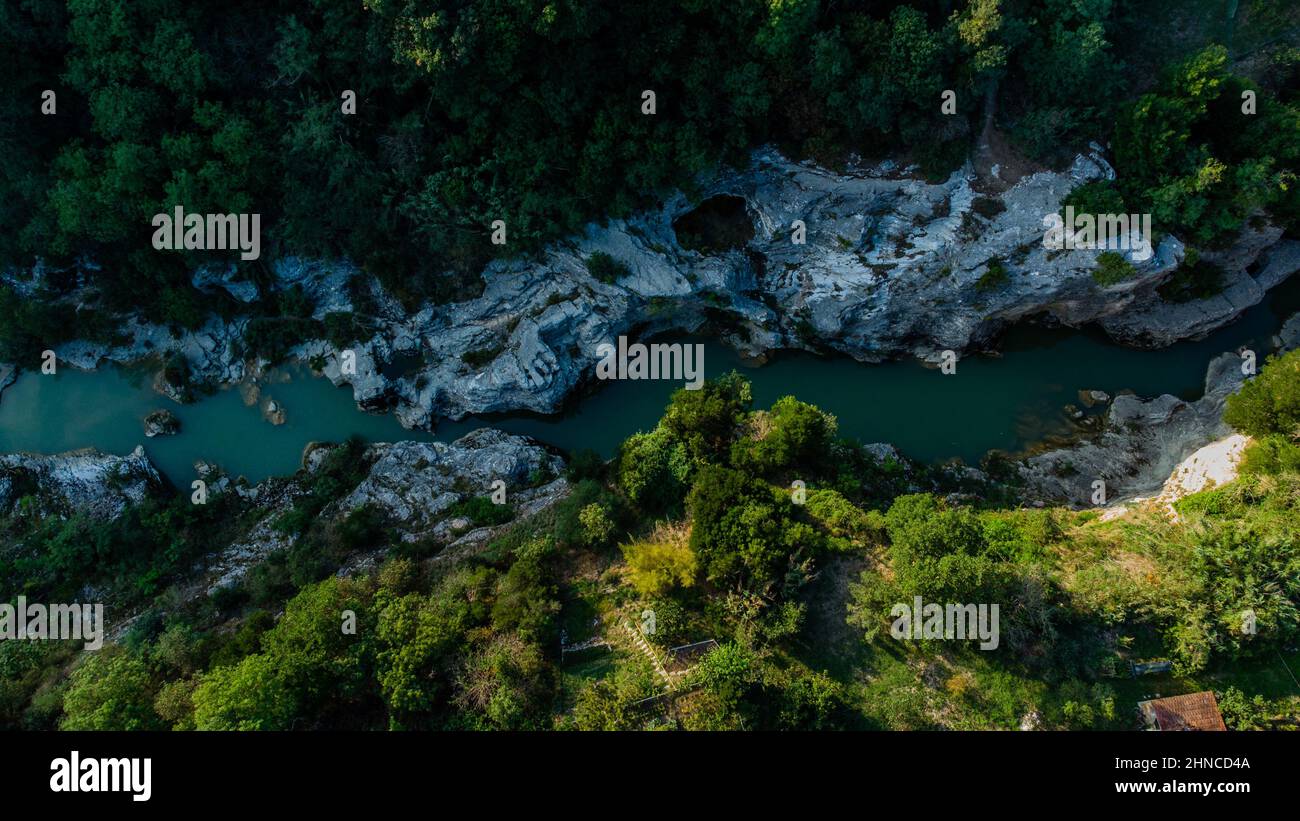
84 482
892 265
414 486
1143 441
418 489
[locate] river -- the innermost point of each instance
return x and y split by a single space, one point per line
1006 402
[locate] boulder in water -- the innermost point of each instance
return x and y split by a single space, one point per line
161 422
273 412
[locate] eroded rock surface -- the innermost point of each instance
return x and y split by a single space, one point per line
1143 441
891 265
413 485
161 423
87 482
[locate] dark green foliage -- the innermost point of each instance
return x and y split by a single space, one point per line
273 337
526 596
706 420
1061 56
482 356
134 555
1243 569
1269 403
744 532
1096 197
1191 157
988 207
309 667
717 225
605 268
994 276
1194 279
941 553
461 651
530 113
585 464
30 325
343 328
482 511
1112 269
791 435
322 546
654 469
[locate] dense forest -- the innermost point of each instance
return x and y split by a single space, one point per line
532 112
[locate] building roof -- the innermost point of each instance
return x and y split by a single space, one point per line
1194 711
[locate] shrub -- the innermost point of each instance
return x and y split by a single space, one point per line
1271 455
1269 403
662 562
707 420
792 434
273 337
848 525
482 511
940 553
994 277
743 531
652 470
585 464
605 268
1112 269
110 691
342 328
596 525
1193 279
988 207
1096 197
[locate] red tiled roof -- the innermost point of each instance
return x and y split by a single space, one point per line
1194 711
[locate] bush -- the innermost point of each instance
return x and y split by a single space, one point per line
707 420
273 337
1096 197
1271 455
791 435
605 268
110 691
342 328
742 531
308 667
1269 403
31 325
1112 269
596 525
849 526
652 470
940 553
1243 713
662 562
995 276
482 511
585 464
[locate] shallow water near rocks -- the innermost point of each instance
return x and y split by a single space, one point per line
1006 402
